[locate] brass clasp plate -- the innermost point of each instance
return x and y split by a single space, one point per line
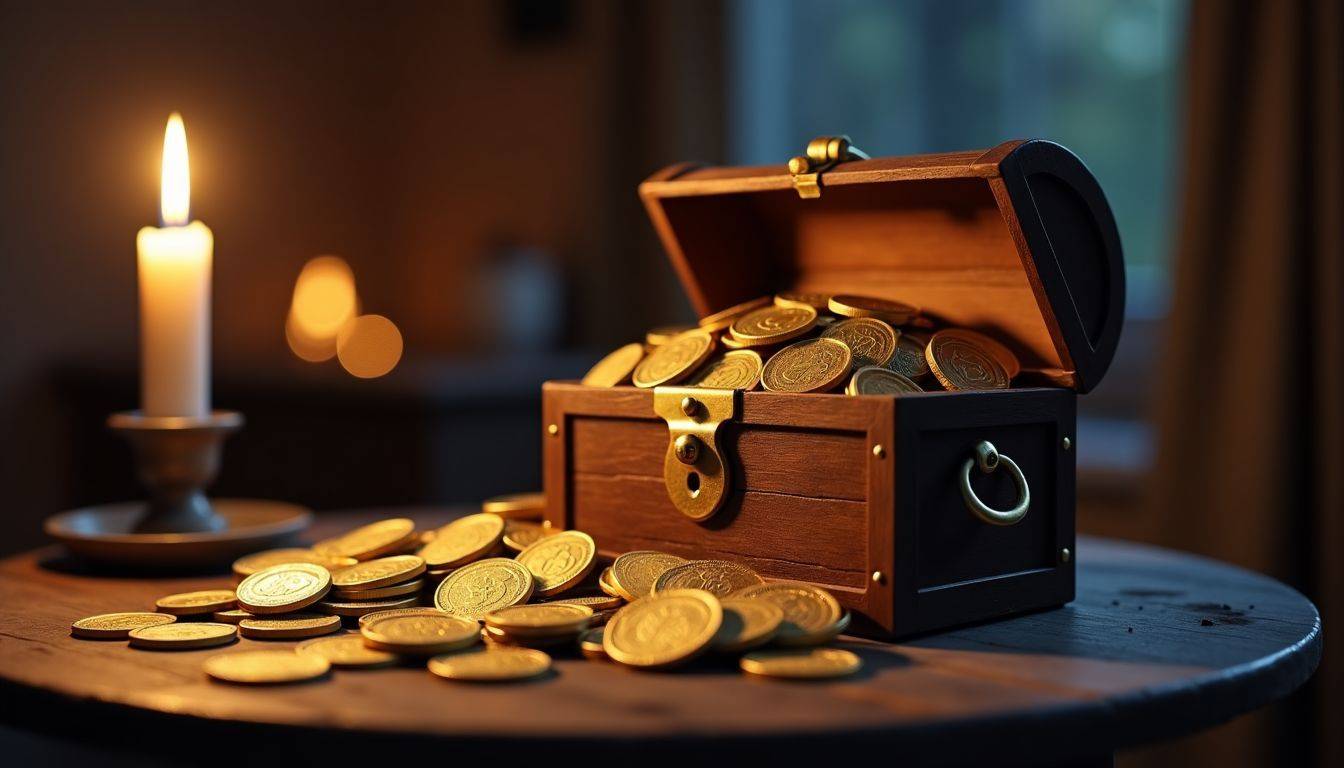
823 154
696 468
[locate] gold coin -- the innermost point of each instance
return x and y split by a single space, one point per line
412 611
880 381
560 561
517 506
894 312
361 608
382 572
909 360
590 644
748 622
289 627
420 635
993 346
724 318
265 667
615 368
491 665
810 613
370 541
232 616
961 364
773 325
674 360
196 603
183 636
604 583
496 637
728 341
717 577
488 585
464 540
664 333
346 652
870 341
519 535
540 619
663 629
381 593
118 626
737 369
634 573
284 588
249 564
815 365
817 301
802 664
595 602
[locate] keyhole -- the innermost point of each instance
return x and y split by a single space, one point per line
693 483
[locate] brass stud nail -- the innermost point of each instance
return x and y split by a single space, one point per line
1065 555
553 430
1067 443
691 407
879 451
879 577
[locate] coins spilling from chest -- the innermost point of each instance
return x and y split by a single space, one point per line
462 603
800 342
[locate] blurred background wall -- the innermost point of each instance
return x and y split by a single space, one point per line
475 163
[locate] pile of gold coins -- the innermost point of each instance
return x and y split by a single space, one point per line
487 597
807 342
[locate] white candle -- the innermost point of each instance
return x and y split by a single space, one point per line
174 266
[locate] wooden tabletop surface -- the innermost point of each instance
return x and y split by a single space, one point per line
1158 644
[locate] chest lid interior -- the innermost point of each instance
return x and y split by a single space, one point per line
1017 241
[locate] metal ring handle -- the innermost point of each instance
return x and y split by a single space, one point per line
989 459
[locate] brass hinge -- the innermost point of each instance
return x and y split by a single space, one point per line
696 469
823 154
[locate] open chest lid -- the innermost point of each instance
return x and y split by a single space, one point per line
1017 241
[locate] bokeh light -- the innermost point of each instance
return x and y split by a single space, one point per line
325 300
369 346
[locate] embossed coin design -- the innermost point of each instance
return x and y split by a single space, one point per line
615 368
560 561
633 574
290 627
880 381
463 540
265 667
811 614
961 364
722 319
370 541
474 590
894 312
284 588
736 369
420 635
718 577
674 360
870 341
519 534
118 626
802 664
379 572
347 652
491 665
909 360
996 349
180 636
748 622
249 564
815 365
517 506
817 301
663 629
773 325
196 603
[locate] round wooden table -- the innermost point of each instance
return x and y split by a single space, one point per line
1158 644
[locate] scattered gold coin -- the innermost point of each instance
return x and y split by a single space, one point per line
615 368
817 301
590 644
665 333
814 365
663 629
284 588
249 564
265 667
183 636
870 341
517 506
736 369
370 541
560 561
544 619
107 626
674 360
604 583
811 614
880 381
717 577
196 603
802 664
894 312
289 627
420 635
464 540
596 602
347 652
381 593
416 611
381 572
909 360
232 616
491 665
723 318
773 325
519 535
360 608
633 574
961 364
748 622
475 590
1011 365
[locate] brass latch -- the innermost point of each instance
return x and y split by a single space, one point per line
696 468
823 154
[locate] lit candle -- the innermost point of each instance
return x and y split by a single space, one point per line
174 265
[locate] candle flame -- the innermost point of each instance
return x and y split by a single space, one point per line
175 183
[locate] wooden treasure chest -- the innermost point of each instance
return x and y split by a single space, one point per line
917 511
